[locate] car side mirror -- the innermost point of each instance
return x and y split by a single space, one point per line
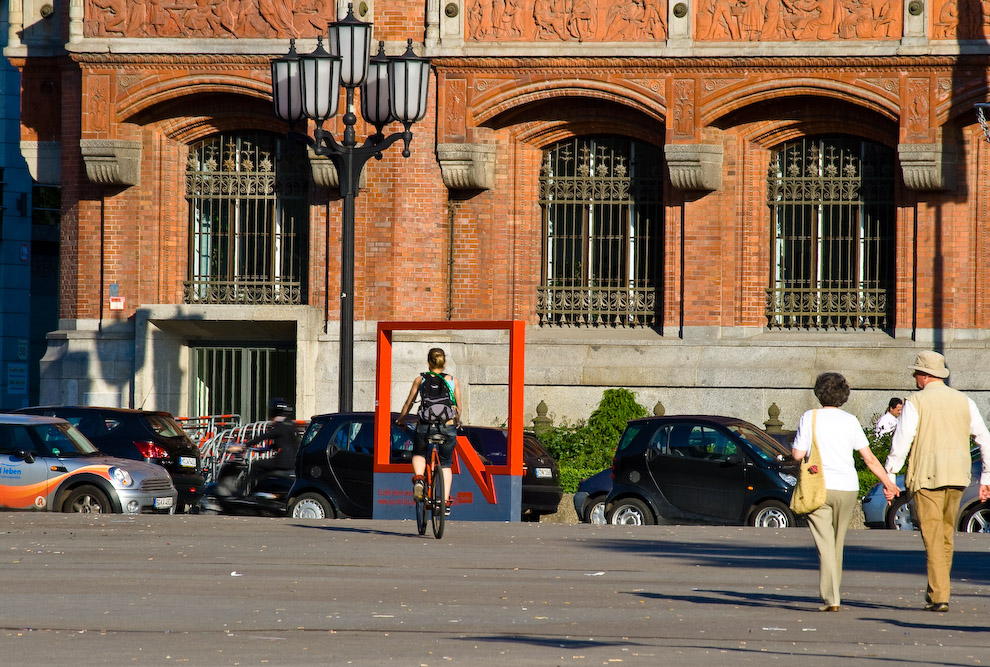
27 456
733 459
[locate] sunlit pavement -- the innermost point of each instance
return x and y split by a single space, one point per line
209 590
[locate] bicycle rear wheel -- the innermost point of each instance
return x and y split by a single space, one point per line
436 499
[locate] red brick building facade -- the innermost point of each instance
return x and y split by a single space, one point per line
759 270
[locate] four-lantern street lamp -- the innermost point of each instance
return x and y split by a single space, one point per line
393 88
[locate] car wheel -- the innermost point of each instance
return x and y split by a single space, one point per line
771 514
976 519
630 512
595 510
899 513
87 499
310 506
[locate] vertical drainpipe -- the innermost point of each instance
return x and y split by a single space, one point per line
103 263
450 260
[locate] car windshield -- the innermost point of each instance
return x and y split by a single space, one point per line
763 445
61 441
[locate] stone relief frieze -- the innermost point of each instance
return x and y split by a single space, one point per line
207 18
712 85
566 20
655 86
960 19
790 20
887 85
943 88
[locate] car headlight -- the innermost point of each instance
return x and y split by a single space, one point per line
788 478
121 476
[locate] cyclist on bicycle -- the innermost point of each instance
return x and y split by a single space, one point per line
439 413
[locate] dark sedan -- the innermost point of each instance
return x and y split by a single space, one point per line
142 435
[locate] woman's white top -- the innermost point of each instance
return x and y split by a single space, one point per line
839 434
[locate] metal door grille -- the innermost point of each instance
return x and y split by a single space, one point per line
240 380
602 214
248 225
832 202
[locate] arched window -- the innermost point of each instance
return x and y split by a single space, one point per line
602 231
248 238
832 262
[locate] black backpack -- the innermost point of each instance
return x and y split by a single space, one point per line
436 404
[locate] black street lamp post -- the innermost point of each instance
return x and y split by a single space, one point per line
392 89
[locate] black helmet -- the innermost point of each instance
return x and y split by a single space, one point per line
278 407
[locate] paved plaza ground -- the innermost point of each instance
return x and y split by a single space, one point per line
212 590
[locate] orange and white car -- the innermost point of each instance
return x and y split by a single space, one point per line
47 464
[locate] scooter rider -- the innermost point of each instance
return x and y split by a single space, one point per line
282 437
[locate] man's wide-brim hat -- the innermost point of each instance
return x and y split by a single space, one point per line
931 363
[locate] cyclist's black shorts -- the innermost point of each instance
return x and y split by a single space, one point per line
446 449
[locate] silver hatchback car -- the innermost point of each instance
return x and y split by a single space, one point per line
47 464
974 516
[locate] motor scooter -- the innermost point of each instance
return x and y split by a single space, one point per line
229 492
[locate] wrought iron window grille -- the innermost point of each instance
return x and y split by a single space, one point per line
832 204
602 211
248 221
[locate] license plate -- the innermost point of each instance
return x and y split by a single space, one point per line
163 503
544 472
187 461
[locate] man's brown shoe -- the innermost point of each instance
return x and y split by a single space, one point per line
937 606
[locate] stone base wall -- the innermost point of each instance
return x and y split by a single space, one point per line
567 370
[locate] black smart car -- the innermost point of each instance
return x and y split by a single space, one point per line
334 475
700 469
142 435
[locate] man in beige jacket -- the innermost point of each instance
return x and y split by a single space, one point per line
934 428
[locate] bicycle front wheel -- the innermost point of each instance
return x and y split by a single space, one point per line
422 507
437 502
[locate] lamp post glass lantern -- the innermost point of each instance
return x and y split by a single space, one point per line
393 88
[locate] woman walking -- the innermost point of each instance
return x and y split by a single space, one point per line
837 434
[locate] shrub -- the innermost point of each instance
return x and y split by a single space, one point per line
583 448
881 448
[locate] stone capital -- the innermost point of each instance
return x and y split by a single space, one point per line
694 166
112 161
928 166
467 166
44 160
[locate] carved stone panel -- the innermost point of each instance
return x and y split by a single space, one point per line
207 18
682 108
960 19
454 108
797 20
97 100
918 108
565 20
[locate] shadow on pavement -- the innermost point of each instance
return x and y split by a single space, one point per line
968 563
359 530
549 641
